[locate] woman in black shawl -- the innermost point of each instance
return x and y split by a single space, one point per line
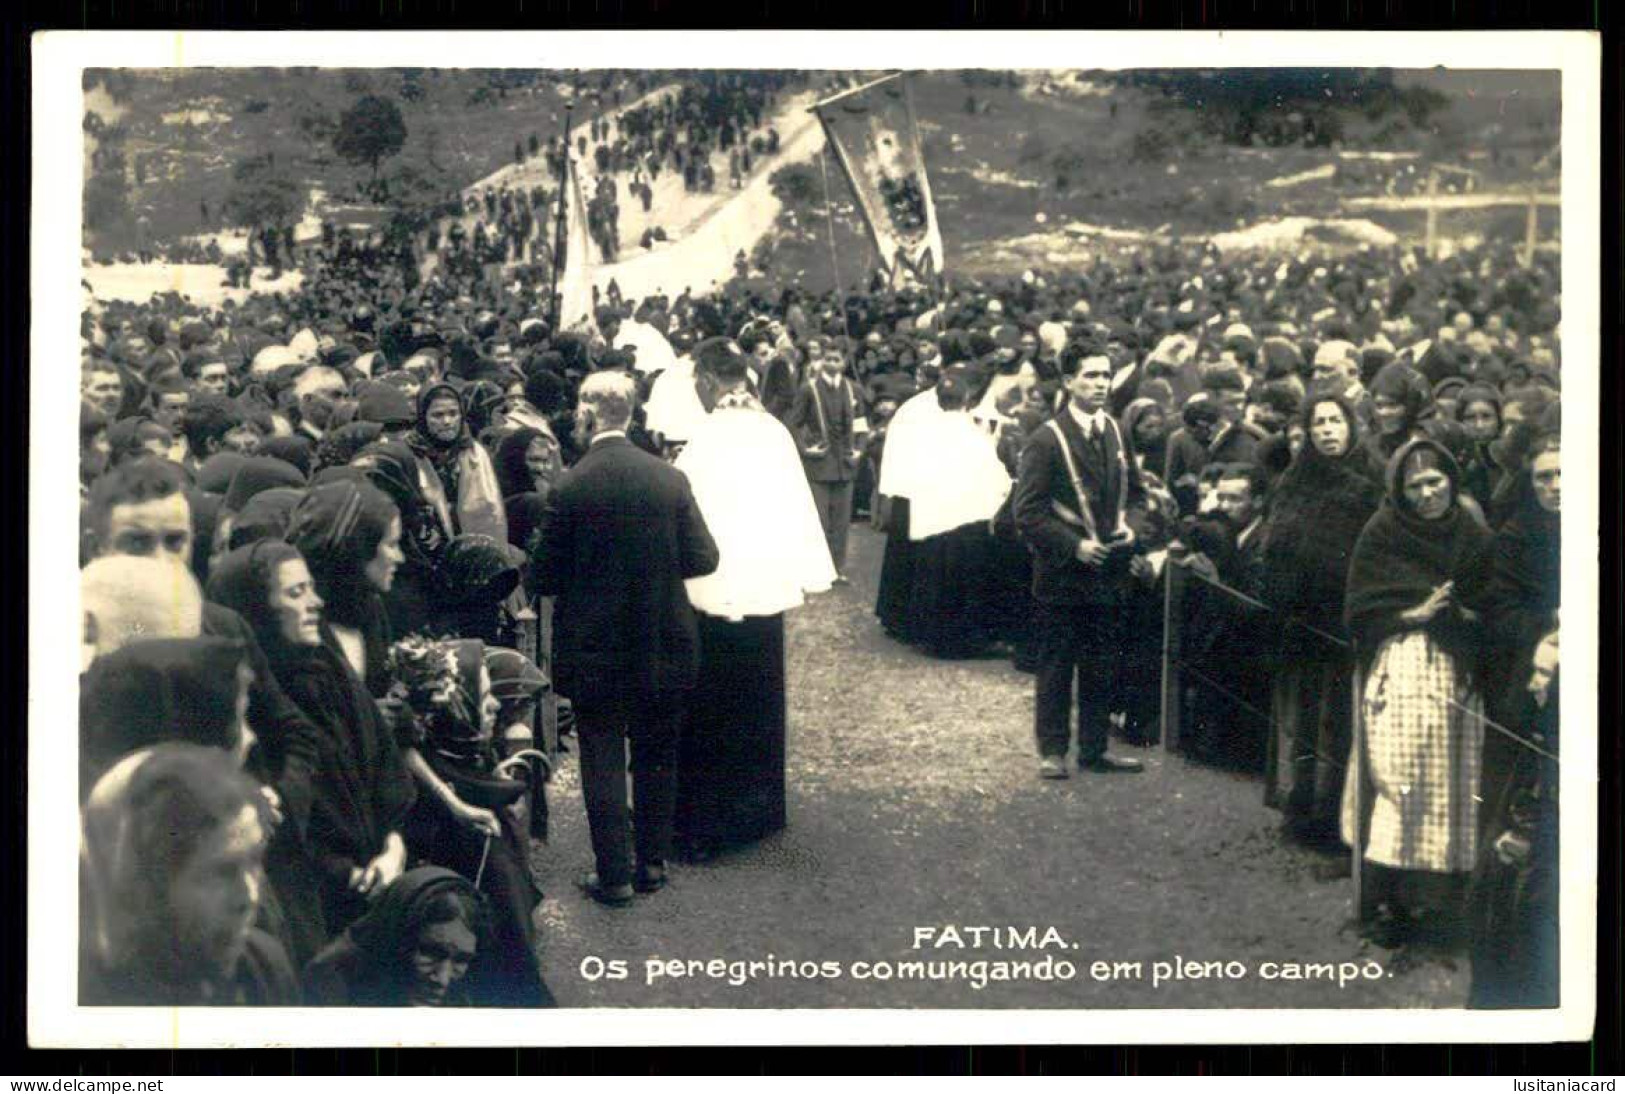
363 791
1515 888
1420 706
173 838
349 534
1317 512
392 468
1400 395
1478 411
420 945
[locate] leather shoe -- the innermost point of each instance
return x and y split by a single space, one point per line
1052 767
1111 765
650 878
611 896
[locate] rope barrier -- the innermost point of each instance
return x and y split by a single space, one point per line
1341 643
1504 731
1186 667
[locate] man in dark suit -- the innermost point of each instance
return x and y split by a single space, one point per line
825 420
1075 480
620 534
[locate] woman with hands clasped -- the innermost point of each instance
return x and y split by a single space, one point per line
1424 733
362 792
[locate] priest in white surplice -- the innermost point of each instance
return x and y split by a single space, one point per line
747 477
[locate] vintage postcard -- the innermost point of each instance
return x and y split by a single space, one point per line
819 538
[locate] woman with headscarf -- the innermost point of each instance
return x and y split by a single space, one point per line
443 441
163 689
420 945
425 533
1515 889
350 536
266 516
462 819
1400 396
362 791
1420 707
173 838
1145 428
1320 505
528 462
1478 411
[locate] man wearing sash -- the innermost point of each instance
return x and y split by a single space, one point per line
825 421
1075 480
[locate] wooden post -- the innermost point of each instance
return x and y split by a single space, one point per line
1171 653
1433 213
1356 771
1531 231
549 742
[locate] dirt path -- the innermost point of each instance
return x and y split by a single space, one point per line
914 802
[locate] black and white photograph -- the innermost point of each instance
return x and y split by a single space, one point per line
934 534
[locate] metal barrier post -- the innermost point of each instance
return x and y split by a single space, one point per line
1171 654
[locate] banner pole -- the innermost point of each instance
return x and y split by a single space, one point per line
829 221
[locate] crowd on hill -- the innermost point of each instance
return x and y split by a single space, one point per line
315 525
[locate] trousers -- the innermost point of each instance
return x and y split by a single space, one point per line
834 501
605 726
1083 643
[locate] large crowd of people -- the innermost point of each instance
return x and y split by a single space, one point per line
318 525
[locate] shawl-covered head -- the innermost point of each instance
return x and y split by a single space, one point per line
165 689
258 474
1402 557
509 461
337 528
143 821
392 467
266 516
242 580
477 569
425 443
297 450
384 939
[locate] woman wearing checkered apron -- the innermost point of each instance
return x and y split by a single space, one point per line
1423 724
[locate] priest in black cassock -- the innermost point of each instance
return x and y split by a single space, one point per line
747 478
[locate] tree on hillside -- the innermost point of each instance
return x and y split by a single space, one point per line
371 131
262 195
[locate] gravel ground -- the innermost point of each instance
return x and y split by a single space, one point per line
914 803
